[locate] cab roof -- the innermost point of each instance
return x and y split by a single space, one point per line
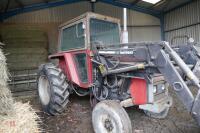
89 15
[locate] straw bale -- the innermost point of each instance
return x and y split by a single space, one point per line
23 119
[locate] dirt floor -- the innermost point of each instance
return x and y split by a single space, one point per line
77 119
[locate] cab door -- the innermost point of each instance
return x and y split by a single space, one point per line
76 55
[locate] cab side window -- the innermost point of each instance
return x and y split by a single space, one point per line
73 37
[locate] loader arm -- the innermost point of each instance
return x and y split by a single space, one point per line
183 92
159 56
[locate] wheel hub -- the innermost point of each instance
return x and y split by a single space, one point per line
108 125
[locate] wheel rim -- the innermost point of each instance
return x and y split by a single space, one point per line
44 90
108 124
109 117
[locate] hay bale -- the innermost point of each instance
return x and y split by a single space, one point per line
25 44
3 70
18 66
22 32
15 117
26 58
22 120
6 101
16 51
19 27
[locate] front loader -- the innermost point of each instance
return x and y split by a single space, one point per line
94 62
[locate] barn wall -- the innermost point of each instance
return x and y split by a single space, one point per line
51 16
141 26
183 21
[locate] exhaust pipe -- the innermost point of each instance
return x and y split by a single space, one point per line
125 31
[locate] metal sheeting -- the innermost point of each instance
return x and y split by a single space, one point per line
183 21
137 18
143 27
134 17
184 16
192 31
145 24
67 12
140 25
109 10
51 15
137 34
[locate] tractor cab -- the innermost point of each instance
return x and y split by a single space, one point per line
77 37
87 29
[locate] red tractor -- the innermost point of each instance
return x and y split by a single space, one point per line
93 61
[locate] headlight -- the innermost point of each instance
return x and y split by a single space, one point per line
160 88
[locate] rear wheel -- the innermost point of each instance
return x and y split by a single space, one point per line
53 89
110 117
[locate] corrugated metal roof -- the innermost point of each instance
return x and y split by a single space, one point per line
163 5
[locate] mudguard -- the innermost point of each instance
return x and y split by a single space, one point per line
69 66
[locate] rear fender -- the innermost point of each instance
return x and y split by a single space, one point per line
62 63
69 67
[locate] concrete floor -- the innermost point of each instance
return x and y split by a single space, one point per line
77 119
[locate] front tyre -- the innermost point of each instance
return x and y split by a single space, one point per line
110 117
53 89
160 115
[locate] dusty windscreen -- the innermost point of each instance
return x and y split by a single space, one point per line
103 31
73 37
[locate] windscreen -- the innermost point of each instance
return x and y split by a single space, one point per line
73 37
104 31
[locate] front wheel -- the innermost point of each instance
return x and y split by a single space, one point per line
110 117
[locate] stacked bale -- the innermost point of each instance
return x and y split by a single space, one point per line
26 46
15 117
6 101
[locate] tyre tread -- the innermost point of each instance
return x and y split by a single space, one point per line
59 88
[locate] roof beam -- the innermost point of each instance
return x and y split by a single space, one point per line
135 2
19 3
46 1
34 7
39 6
159 3
7 6
166 5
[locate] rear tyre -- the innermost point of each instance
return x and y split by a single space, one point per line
53 89
160 115
110 117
